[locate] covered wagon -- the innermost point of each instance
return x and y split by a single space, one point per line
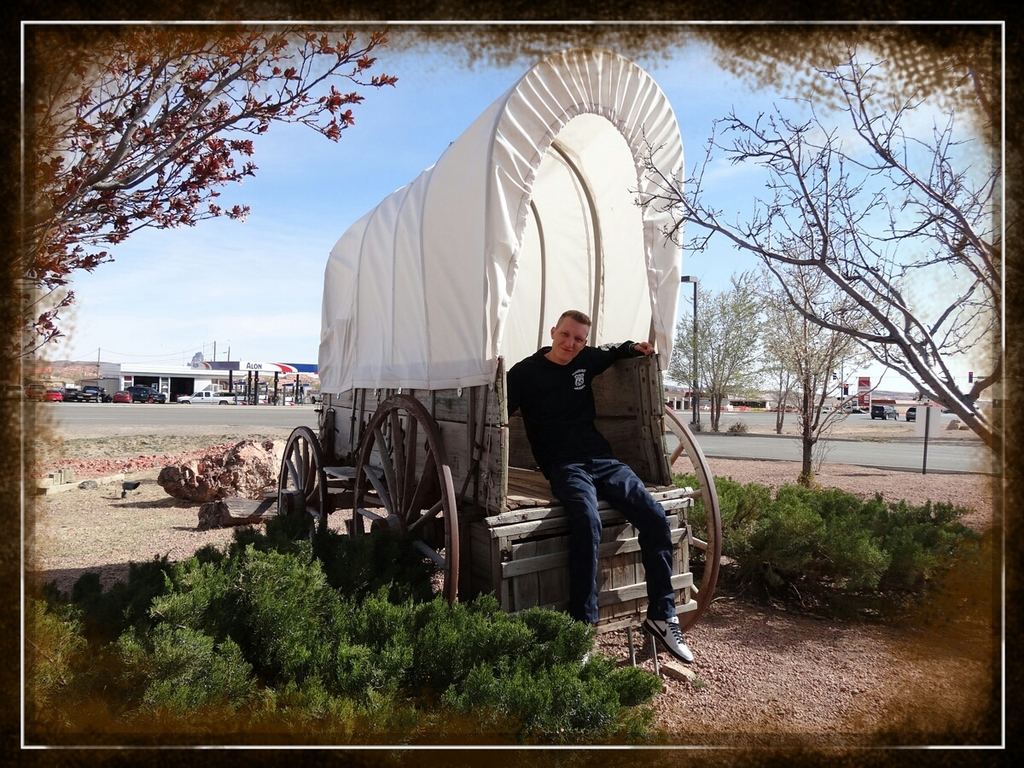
431 296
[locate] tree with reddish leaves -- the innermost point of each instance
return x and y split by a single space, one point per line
140 126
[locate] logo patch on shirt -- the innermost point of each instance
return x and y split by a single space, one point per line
580 377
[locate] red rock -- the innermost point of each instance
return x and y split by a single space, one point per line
244 469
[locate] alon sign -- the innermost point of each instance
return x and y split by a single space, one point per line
270 367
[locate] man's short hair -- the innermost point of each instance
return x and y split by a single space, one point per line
574 314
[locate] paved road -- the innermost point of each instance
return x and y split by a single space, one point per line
766 419
900 453
142 415
896 453
885 451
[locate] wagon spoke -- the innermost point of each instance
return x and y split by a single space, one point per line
409 473
426 482
386 465
430 514
431 553
293 472
382 492
398 443
675 454
311 472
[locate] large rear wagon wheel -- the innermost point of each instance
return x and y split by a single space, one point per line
711 544
302 484
404 485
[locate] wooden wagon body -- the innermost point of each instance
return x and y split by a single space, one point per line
501 530
429 296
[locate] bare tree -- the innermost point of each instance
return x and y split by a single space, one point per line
776 369
881 213
812 352
728 349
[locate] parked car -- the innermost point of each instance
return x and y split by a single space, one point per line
122 397
70 394
911 414
91 394
146 395
884 412
53 396
35 392
210 398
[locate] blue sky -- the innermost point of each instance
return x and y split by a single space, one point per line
255 287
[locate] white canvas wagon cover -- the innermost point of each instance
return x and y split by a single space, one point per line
532 211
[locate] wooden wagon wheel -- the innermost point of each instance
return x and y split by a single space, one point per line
711 545
302 484
403 472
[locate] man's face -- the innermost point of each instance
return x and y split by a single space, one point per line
567 339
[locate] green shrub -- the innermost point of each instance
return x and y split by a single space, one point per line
778 545
107 613
56 659
204 596
831 542
359 566
451 640
263 636
288 614
179 670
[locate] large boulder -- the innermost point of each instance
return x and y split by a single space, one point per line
245 470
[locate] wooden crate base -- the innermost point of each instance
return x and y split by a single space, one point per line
522 556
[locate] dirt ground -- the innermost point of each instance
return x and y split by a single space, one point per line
762 675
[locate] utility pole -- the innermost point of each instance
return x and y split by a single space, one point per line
694 394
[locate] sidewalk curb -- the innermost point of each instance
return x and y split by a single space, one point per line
894 439
44 487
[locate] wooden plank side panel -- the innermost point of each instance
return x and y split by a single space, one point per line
519 452
620 570
653 420
526 587
493 474
553 583
344 440
626 438
630 406
617 390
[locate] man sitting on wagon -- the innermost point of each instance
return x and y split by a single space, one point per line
552 388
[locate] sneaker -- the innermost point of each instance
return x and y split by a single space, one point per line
670 636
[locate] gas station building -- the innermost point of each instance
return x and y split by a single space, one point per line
256 382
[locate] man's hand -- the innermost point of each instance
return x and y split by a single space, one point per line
644 348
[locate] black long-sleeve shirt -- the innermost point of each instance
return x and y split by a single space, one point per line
557 403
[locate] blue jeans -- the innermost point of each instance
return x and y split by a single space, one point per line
578 487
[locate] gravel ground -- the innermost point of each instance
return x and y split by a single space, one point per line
762 674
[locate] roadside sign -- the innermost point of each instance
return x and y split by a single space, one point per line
930 418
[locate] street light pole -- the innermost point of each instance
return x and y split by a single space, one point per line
694 394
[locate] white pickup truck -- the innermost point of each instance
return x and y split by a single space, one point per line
213 398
